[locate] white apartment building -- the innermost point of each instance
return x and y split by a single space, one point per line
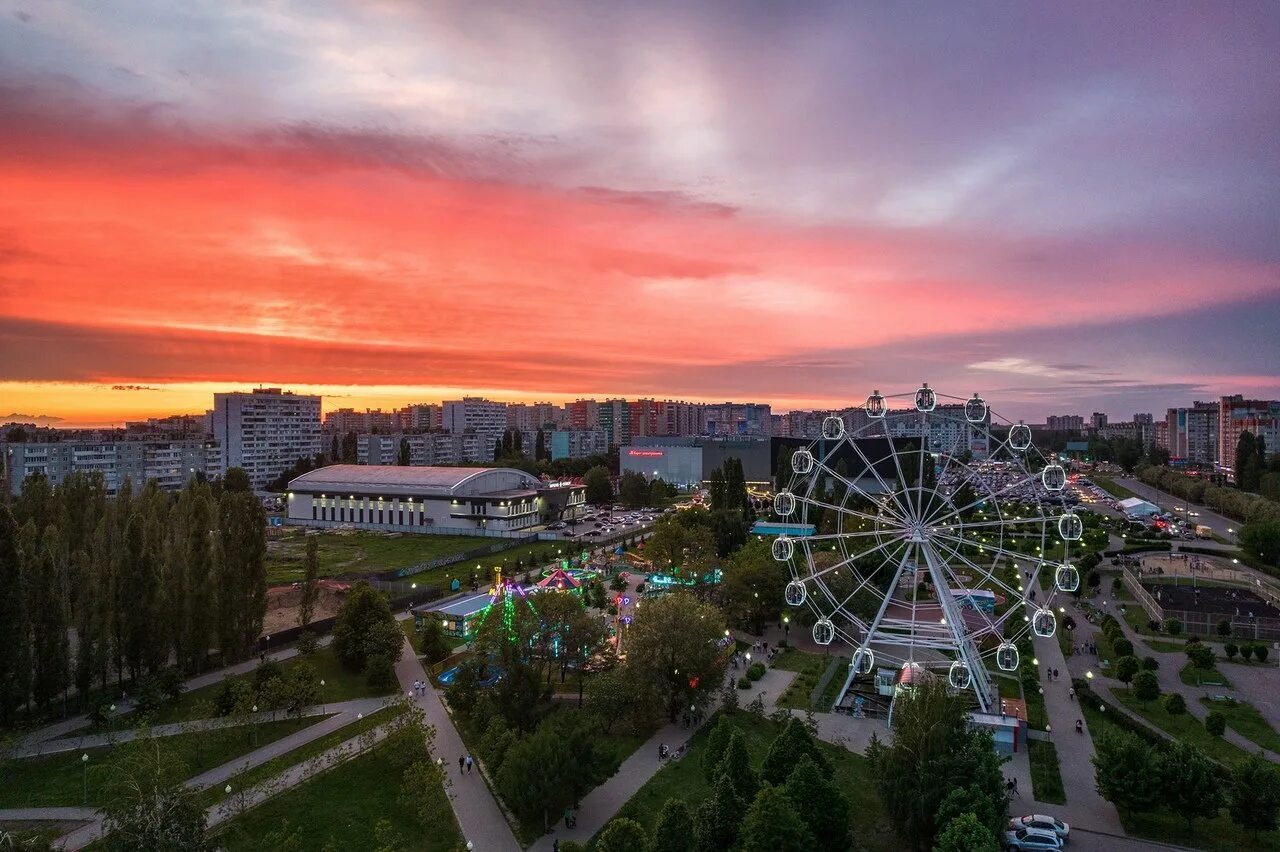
432 448
265 431
169 463
474 414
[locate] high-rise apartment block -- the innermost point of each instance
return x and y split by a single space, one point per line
1191 434
1097 420
1064 423
1237 415
265 431
474 414
170 464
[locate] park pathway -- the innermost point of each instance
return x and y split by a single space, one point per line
479 815
48 747
601 804
59 730
1171 663
1084 806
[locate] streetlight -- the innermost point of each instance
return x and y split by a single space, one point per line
111 718
84 762
255 726
322 702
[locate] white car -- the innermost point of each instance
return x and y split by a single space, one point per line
1028 839
1041 822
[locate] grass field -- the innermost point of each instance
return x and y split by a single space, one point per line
809 669
342 807
59 780
340 684
1046 776
301 754
1192 676
363 552
1183 727
684 779
1114 488
1243 718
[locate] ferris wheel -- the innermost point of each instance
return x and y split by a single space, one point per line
920 537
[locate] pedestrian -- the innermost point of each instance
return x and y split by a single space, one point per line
1055 674
469 762
1015 785
461 763
1072 693
555 845
568 815
662 750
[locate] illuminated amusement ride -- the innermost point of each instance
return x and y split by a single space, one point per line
920 537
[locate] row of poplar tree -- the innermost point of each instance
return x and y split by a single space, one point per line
98 589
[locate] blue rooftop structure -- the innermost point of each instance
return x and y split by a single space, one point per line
457 616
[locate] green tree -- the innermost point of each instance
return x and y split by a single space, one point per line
1189 783
735 765
971 800
199 559
310 582
1200 655
540 447
242 584
365 628
1215 723
1175 704
674 649
713 749
613 695
402 453
599 488
622 835
50 621
1255 794
350 448
1125 771
932 751
1126 668
719 817
1261 538
820 804
1146 687
433 644
14 621
633 489
788 748
422 792
146 805
674 830
752 586
772 825
966 834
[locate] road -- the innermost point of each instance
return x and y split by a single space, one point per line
1221 526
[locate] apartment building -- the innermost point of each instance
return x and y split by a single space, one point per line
1191 434
265 431
1237 415
170 464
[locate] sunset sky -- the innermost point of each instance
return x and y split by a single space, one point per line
1066 209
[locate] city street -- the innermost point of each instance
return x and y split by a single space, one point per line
1167 502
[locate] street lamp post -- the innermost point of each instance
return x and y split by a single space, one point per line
255 726
322 701
84 763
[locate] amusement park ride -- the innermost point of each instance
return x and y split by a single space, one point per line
931 535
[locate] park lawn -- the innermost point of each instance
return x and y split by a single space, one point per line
809 669
1219 834
342 806
1114 488
1037 716
1183 727
248 778
1046 776
684 779
1243 718
1192 676
340 684
58 780
360 552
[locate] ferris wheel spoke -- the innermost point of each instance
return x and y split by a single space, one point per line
866 581
946 509
852 557
897 463
1007 522
812 501
852 484
841 535
923 451
996 552
990 575
893 494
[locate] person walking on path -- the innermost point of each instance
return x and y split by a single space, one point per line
461 762
469 762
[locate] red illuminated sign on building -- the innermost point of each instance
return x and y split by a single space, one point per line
648 454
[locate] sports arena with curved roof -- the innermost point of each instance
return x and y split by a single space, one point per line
454 500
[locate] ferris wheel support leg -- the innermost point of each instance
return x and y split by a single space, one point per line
871 629
964 645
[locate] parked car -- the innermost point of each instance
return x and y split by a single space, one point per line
1041 822
1030 839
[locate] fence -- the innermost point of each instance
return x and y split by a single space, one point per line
1196 623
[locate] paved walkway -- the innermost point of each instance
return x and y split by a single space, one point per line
47 814
1171 663
126 705
478 813
47 747
601 804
